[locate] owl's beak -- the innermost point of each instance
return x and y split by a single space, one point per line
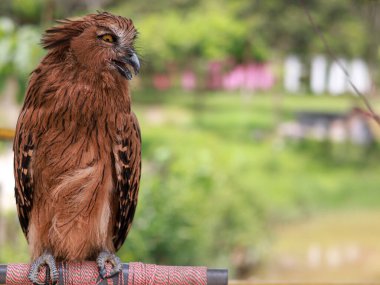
134 62
123 63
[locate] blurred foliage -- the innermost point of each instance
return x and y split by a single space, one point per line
12 242
249 30
184 37
188 32
27 10
20 52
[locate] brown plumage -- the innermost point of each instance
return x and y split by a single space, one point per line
78 145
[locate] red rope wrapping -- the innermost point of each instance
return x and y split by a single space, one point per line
85 273
18 274
138 274
72 273
149 274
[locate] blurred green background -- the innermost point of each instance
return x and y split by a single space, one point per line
221 186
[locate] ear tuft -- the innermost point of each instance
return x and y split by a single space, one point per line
62 34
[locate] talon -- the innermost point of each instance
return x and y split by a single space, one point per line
46 259
107 257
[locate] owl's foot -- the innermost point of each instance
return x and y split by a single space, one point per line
107 257
46 259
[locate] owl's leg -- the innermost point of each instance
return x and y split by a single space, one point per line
107 257
46 259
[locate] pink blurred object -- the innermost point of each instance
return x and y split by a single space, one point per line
259 76
235 79
253 76
188 81
250 76
215 77
161 81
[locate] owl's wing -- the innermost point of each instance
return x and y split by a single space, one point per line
23 153
127 160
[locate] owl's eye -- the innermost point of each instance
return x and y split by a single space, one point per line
108 38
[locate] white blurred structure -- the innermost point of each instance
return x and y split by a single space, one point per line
337 81
360 76
327 77
314 256
352 127
293 73
9 109
7 201
358 131
318 74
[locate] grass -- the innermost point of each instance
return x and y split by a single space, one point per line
327 176
330 247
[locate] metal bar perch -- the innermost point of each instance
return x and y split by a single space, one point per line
133 273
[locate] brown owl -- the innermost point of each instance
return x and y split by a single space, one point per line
77 147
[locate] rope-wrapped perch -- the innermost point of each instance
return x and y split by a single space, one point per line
133 273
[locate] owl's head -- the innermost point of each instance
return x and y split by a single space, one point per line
99 42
